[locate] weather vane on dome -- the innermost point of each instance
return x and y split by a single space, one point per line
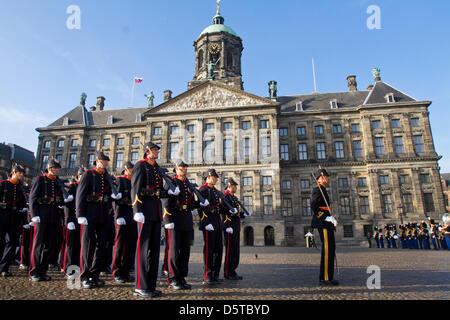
218 7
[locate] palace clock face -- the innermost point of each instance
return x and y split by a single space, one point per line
214 48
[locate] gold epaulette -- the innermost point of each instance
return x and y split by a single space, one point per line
136 200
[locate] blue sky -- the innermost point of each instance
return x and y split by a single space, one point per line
45 66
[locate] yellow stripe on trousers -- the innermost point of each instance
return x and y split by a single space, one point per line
325 242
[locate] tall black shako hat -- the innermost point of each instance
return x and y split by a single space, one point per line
321 172
179 163
17 168
52 163
148 146
210 172
100 156
127 165
231 182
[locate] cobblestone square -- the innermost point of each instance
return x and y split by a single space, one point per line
277 273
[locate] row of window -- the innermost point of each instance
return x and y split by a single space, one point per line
92 142
355 127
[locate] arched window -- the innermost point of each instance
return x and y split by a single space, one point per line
248 236
200 59
269 236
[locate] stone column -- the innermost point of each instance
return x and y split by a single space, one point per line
367 138
254 140
182 141
218 141
418 197
396 193
407 140
388 139
199 142
165 145
375 197
428 144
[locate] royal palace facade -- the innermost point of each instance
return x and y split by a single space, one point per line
376 144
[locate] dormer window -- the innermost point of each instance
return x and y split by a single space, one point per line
299 106
138 118
66 121
333 104
110 120
390 98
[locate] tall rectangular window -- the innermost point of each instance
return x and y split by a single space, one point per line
119 160
72 160
190 128
320 147
135 141
355 128
395 123
174 130
157 131
91 159
318 129
284 151
245 125
59 158
404 179
286 184
398 142
344 203
337 128
247 181
302 151
265 146
61 143
227 126
246 147
92 143
339 146
191 150
267 180
379 146
209 150
418 144
306 207
74 142
414 122
362 182
248 202
305 184
364 205
407 201
106 142
424 178
387 203
47 144
301 131
44 162
134 157
173 151
384 180
227 148
267 204
286 209
357 149
342 182
428 202
283 132
209 127
264 124
376 124
120 141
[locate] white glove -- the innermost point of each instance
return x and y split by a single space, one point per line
174 193
26 226
247 215
69 198
169 226
83 221
234 211
24 210
32 223
205 204
229 230
36 219
209 227
116 197
139 217
71 226
332 220
121 222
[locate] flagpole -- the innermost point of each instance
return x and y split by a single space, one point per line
132 92
314 76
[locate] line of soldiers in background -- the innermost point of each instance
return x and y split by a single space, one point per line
412 236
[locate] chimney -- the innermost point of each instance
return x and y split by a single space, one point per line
370 87
100 103
351 82
167 95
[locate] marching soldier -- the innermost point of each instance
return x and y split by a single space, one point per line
72 235
387 236
211 226
380 234
403 237
232 229
46 196
126 229
27 236
12 205
93 203
376 237
180 229
146 190
325 224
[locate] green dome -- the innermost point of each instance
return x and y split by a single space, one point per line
218 26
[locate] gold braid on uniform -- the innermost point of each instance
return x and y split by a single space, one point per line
203 216
136 200
166 212
227 219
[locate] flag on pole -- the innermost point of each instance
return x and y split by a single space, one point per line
138 80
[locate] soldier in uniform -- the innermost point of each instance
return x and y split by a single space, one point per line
403 237
387 236
232 230
146 190
376 237
93 204
46 196
126 229
180 228
27 236
325 223
12 203
380 234
72 236
211 226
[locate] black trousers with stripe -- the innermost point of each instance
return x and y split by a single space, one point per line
124 249
8 245
72 248
44 243
93 249
212 253
147 255
25 245
178 253
232 252
328 252
165 266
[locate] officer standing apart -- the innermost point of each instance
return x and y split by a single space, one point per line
325 224
46 196
12 205
232 230
126 229
180 228
211 225
93 203
146 191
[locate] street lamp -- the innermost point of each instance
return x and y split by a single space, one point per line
400 213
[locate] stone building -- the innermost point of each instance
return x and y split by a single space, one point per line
445 179
376 143
10 154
